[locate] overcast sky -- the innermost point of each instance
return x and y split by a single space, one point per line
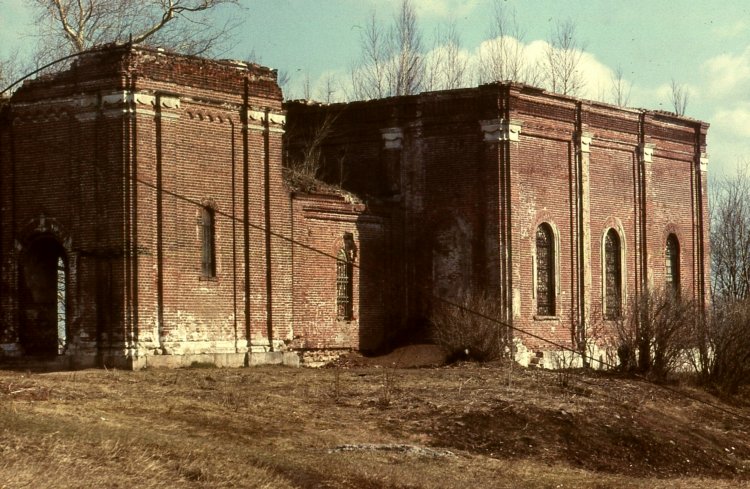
703 44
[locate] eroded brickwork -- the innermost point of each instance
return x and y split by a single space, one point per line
156 180
472 174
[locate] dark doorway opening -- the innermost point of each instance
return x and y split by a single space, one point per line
43 298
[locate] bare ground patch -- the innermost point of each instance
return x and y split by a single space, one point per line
364 426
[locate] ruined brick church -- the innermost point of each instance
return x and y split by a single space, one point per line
146 219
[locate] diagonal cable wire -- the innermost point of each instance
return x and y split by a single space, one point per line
465 309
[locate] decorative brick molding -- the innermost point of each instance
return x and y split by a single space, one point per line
498 130
125 102
256 119
703 164
647 152
392 137
585 141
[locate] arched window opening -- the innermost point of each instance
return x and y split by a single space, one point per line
62 336
612 275
208 257
672 264
344 285
545 271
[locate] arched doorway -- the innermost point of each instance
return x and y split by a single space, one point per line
43 297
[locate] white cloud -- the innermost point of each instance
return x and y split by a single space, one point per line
725 79
598 78
596 75
734 121
728 74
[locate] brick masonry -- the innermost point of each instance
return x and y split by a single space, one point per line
110 164
473 173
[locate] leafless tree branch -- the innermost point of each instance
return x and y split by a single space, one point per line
505 57
678 97
447 67
68 26
390 64
730 236
563 58
620 89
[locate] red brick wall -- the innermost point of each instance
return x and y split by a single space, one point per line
467 200
115 158
120 153
320 223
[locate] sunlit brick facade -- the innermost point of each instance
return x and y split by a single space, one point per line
151 187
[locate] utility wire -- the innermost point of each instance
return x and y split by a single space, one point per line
460 307
104 47
448 302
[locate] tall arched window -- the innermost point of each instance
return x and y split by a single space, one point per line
545 271
208 255
343 285
612 275
672 263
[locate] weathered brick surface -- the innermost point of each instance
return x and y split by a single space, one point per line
113 160
320 224
470 196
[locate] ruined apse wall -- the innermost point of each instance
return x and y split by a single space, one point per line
424 157
473 173
114 159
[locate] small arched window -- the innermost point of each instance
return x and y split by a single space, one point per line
344 285
612 275
545 271
208 252
672 264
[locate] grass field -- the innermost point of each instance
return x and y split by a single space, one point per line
465 426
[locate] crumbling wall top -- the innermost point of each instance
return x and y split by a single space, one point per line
116 66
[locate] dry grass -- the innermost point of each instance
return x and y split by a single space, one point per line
279 427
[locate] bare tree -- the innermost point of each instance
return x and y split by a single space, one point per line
678 97
69 26
730 236
393 64
505 55
723 341
562 69
328 92
407 76
306 89
447 67
620 89
307 166
723 346
12 67
369 73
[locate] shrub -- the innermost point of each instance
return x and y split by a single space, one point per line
655 333
723 357
469 327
